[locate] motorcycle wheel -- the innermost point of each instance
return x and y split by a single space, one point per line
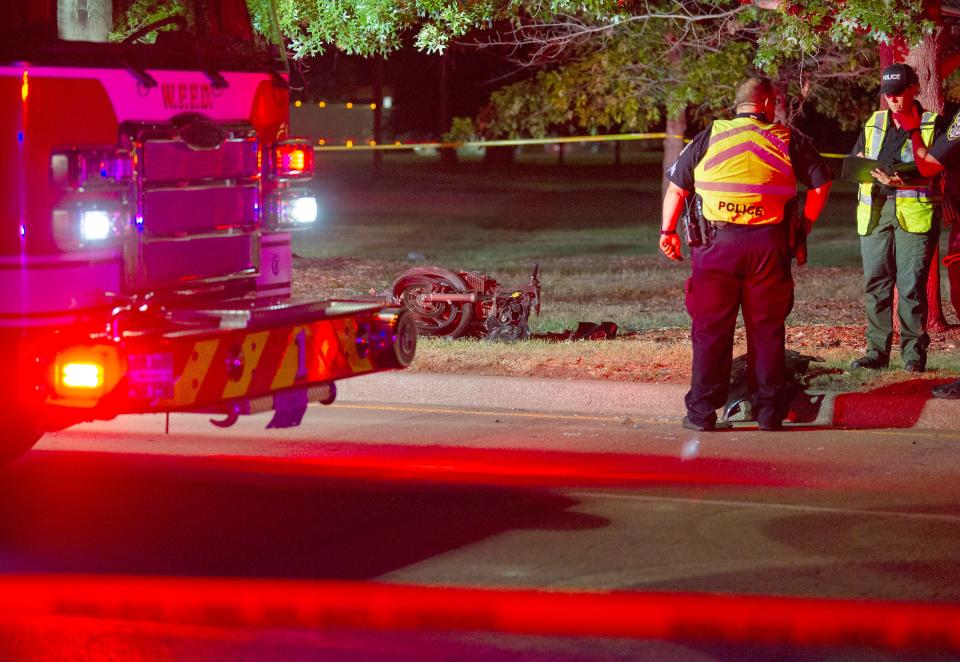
434 318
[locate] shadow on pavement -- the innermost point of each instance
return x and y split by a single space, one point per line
104 513
346 511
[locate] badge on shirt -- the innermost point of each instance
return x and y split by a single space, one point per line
953 133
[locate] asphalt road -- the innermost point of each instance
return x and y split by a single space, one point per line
504 499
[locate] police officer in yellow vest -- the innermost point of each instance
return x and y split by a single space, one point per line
898 228
745 173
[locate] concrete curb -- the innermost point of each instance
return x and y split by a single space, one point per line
893 409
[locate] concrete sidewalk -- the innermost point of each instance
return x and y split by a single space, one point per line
907 405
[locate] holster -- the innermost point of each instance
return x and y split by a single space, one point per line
696 230
796 230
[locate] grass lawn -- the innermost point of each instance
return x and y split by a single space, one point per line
593 230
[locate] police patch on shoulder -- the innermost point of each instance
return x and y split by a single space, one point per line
953 133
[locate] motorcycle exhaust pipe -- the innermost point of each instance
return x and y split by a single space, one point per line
444 297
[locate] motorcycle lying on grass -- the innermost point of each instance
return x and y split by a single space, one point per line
467 303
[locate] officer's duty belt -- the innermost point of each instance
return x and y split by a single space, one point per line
720 225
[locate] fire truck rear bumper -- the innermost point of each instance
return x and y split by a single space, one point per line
236 360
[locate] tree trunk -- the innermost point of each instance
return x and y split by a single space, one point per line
673 143
443 109
448 155
925 59
378 111
676 124
91 21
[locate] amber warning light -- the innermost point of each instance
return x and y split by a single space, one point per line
294 159
84 374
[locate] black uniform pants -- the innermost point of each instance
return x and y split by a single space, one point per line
744 267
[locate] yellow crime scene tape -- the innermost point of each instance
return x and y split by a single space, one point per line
350 146
619 137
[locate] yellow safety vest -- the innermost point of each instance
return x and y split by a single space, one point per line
745 176
915 207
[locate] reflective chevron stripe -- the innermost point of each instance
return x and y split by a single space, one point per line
187 387
267 361
252 349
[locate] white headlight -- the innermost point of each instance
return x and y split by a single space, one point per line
302 211
94 225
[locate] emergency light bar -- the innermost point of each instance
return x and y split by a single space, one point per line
293 159
291 206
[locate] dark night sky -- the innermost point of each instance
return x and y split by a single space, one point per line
413 78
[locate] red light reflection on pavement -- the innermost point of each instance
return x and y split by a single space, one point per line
891 406
302 604
508 467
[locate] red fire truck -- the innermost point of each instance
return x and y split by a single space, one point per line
149 194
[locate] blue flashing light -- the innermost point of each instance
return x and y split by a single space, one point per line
20 137
139 222
103 172
23 230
